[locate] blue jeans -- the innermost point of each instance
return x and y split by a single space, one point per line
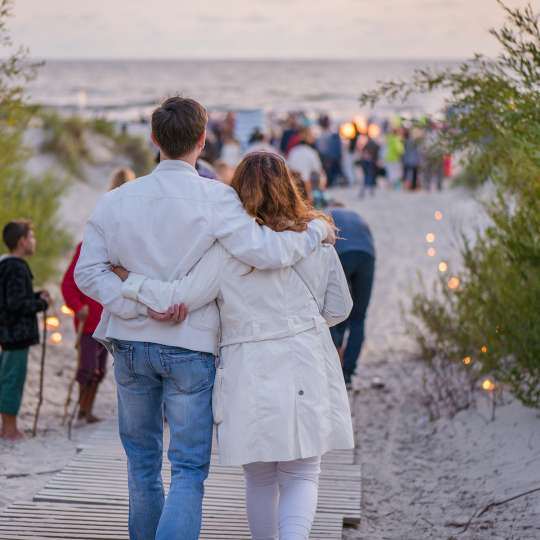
154 381
359 267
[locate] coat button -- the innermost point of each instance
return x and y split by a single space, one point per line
301 393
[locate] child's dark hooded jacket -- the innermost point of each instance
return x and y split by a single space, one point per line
19 305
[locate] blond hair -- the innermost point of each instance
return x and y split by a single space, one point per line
121 176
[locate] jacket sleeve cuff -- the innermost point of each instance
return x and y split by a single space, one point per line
132 286
319 227
142 309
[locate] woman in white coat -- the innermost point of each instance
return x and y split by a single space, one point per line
280 401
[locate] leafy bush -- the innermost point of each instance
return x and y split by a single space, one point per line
65 138
22 196
103 127
493 319
138 152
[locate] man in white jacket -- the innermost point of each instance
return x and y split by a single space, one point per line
159 226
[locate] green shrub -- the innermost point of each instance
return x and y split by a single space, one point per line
494 315
38 199
22 196
64 137
103 127
138 152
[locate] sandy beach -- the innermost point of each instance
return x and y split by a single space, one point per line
421 479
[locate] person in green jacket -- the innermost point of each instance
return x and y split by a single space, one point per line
393 158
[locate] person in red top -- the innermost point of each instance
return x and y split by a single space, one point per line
93 355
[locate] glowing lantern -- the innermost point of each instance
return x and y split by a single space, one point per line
53 322
361 124
430 238
488 385
467 360
66 311
484 349
348 131
453 283
443 267
56 338
431 252
374 131
438 215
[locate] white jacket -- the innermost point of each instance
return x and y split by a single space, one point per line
279 392
160 225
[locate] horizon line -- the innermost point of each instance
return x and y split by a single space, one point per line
248 59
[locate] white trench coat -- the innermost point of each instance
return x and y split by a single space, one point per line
279 393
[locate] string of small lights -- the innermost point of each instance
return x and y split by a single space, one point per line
453 283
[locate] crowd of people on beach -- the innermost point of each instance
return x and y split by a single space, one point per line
396 153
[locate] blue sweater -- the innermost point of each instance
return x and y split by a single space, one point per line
354 233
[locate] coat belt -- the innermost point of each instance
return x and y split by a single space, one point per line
292 330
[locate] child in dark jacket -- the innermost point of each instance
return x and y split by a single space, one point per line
19 305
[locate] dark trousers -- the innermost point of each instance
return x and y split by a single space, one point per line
332 168
410 173
93 365
359 268
370 173
434 173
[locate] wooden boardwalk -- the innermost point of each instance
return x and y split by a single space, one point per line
89 498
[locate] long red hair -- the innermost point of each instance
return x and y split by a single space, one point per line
265 186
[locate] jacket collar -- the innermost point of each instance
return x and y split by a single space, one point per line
174 165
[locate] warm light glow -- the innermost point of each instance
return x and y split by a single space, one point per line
347 130
56 337
488 385
467 360
443 267
453 283
438 215
361 124
66 311
53 322
374 131
484 349
432 252
430 238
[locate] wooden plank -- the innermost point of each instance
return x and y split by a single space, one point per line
88 499
31 521
105 441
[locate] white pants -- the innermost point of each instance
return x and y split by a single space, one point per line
282 496
394 173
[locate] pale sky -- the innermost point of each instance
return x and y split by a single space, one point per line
257 28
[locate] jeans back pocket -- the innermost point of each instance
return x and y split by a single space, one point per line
189 371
